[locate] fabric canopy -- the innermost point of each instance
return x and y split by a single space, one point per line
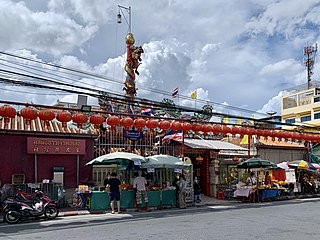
164 161
256 163
116 158
301 164
211 144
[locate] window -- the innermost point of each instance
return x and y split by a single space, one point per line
305 118
317 115
290 121
317 99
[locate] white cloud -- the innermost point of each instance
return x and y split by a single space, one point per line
244 58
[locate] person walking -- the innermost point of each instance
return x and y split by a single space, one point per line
197 191
114 185
182 191
139 185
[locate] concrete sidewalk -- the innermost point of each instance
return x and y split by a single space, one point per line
205 201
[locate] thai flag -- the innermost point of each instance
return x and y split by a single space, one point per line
147 111
172 136
175 92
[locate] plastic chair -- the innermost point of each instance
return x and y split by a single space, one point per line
220 195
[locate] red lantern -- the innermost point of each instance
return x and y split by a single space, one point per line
28 114
164 125
113 121
46 116
234 130
79 119
64 117
252 131
225 130
7 112
196 127
127 123
96 120
186 127
216 129
207 128
175 126
152 124
139 123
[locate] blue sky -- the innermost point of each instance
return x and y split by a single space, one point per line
242 55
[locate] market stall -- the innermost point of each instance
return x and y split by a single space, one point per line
260 188
159 171
163 169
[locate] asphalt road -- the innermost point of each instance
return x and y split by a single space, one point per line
295 219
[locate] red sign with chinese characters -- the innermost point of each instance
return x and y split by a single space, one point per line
56 146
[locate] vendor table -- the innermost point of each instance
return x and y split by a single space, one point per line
168 197
243 192
269 194
100 200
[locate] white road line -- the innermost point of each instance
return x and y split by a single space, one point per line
221 207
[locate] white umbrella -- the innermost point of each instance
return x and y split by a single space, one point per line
283 165
164 161
116 158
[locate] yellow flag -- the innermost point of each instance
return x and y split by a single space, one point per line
239 121
252 121
245 140
194 94
225 120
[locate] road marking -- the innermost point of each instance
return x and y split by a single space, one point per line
307 199
221 207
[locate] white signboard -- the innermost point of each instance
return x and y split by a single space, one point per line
137 163
178 170
150 170
290 176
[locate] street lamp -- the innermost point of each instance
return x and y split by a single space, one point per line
119 16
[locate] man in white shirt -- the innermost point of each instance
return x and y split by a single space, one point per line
139 185
252 180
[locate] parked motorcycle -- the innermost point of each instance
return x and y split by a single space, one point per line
40 204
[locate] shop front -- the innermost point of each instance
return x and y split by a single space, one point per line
45 158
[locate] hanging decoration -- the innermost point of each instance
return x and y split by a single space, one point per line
64 117
196 127
96 120
127 123
207 128
164 125
28 114
186 127
139 124
175 126
80 119
113 121
7 112
216 129
46 116
152 124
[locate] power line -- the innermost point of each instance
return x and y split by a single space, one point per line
103 78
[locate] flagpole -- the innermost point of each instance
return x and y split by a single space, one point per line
182 146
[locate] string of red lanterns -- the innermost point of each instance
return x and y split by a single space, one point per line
7 112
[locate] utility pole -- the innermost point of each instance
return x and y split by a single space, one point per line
310 53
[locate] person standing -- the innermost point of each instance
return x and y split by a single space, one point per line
139 185
114 185
197 191
106 181
182 191
267 179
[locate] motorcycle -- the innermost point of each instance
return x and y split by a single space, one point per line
34 207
